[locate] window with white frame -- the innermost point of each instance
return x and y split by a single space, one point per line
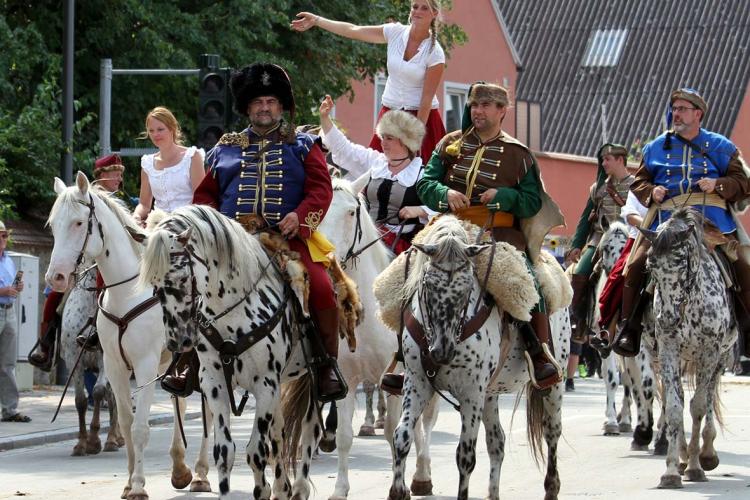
604 48
453 104
380 79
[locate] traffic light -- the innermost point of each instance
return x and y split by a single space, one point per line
214 101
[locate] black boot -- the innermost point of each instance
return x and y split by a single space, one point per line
182 375
390 382
535 335
43 356
578 306
330 386
627 340
89 342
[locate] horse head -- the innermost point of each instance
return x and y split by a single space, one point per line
75 229
610 246
442 284
674 260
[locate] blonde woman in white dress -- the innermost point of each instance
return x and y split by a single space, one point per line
168 177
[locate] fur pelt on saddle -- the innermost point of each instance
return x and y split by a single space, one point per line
510 282
351 310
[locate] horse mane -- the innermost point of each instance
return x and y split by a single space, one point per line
449 235
67 201
681 224
369 230
231 253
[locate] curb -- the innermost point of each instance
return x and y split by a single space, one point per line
67 433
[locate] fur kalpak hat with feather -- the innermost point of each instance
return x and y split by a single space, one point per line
403 126
261 79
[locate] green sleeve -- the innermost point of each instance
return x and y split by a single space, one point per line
522 200
583 227
430 187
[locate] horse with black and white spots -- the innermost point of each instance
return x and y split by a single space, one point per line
207 269
442 285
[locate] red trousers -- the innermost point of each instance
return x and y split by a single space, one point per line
435 131
403 243
611 297
321 287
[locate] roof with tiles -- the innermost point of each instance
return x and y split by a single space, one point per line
585 60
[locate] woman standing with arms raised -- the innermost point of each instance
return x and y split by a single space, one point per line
416 62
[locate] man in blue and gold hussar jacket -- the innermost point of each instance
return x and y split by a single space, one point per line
269 176
686 166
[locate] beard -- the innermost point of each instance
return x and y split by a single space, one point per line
264 120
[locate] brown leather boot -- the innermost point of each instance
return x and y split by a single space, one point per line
182 376
390 382
330 388
627 341
535 334
580 284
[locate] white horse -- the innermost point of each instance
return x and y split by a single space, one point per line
441 286
78 315
88 223
693 328
221 293
637 373
348 226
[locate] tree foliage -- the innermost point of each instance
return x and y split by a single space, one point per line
157 34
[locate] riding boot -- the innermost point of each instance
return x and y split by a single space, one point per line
330 386
89 342
627 341
182 375
580 284
390 382
43 357
544 370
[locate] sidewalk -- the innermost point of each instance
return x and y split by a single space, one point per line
40 405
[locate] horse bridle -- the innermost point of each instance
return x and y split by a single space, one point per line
351 254
89 228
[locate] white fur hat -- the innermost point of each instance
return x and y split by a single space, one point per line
404 126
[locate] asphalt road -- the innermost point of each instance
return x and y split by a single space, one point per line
592 466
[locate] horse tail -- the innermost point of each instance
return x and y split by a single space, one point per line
690 371
535 423
297 407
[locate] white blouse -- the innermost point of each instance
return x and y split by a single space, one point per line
171 186
357 160
632 206
403 89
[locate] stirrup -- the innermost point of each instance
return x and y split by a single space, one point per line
530 364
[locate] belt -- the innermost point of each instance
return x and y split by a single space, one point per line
479 215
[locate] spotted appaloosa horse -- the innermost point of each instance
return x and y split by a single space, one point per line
206 266
637 373
77 318
692 327
88 223
440 287
348 225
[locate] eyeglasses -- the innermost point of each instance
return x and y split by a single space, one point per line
4 236
681 109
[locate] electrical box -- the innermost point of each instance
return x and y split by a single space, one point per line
27 315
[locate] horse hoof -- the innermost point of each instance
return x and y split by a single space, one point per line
380 423
395 494
670 482
661 449
93 448
366 430
710 462
421 488
695 475
611 429
120 442
327 445
79 451
624 427
642 435
111 446
638 447
125 492
138 496
180 481
199 485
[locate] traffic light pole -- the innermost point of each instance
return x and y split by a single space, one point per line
107 72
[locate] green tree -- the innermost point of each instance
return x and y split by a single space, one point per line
157 34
